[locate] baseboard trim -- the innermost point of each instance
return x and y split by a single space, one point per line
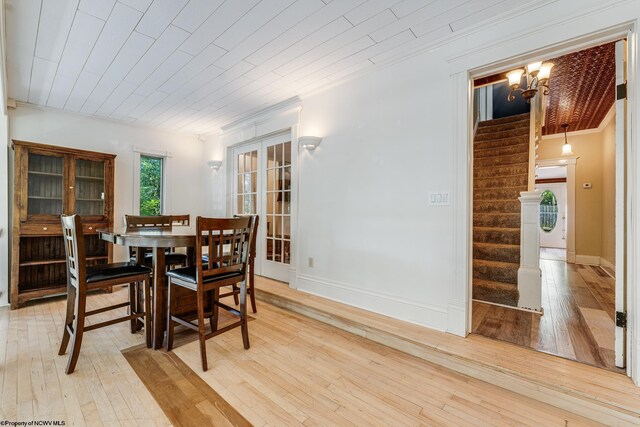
556 394
409 311
587 260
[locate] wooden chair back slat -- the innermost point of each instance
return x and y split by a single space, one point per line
181 219
74 250
159 221
227 241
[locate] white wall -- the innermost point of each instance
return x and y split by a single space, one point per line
5 194
389 138
184 179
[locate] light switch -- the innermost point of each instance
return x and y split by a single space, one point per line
440 198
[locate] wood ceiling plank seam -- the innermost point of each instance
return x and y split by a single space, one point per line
222 19
159 51
100 9
103 69
139 5
221 80
172 65
369 26
159 16
259 38
44 72
193 12
339 54
364 55
139 44
199 64
414 18
131 102
407 7
259 16
326 32
304 29
446 16
368 10
149 102
71 73
117 97
491 10
35 44
56 23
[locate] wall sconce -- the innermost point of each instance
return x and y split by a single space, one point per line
214 164
566 147
309 142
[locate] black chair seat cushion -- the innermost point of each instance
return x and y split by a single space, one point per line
170 258
98 273
188 274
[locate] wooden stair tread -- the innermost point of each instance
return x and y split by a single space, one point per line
599 394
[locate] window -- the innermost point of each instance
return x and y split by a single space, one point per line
548 211
151 179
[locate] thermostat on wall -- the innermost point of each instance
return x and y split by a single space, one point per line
586 185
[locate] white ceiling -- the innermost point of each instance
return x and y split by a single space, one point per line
196 65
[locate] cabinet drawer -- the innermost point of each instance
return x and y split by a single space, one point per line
42 229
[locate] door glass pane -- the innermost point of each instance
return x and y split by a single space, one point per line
45 185
279 184
89 189
240 163
548 211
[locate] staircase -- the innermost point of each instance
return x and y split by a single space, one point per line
500 173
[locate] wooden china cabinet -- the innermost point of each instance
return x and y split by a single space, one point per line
50 181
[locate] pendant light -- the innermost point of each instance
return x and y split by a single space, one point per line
566 147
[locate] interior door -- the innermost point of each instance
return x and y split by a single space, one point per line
246 185
553 216
275 220
262 185
620 223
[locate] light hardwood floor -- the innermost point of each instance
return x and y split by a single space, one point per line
298 371
578 320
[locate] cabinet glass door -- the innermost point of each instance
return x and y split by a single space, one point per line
89 187
45 188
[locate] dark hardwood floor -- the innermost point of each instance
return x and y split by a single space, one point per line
578 320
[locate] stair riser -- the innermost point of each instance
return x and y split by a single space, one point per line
500 235
496 273
488 294
503 151
497 143
504 120
502 182
497 253
523 124
501 171
498 193
496 220
501 135
501 161
496 206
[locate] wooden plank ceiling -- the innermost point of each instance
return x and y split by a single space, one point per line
195 65
581 89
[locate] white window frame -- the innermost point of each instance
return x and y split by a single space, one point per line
165 196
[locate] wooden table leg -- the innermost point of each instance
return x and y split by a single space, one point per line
159 305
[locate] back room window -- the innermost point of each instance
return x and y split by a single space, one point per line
151 179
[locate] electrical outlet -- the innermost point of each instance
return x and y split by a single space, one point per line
310 262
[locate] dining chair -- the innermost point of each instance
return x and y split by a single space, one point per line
82 278
228 242
235 290
172 259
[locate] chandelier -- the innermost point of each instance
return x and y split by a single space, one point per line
537 74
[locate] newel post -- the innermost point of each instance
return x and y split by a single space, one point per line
529 273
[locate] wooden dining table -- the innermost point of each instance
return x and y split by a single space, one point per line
159 240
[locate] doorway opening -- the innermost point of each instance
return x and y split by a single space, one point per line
548 221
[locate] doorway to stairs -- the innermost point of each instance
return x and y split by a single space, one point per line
579 217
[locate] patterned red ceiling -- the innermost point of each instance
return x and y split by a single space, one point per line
581 89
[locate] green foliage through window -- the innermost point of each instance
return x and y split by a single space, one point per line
548 211
150 186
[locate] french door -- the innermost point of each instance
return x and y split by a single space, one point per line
262 185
